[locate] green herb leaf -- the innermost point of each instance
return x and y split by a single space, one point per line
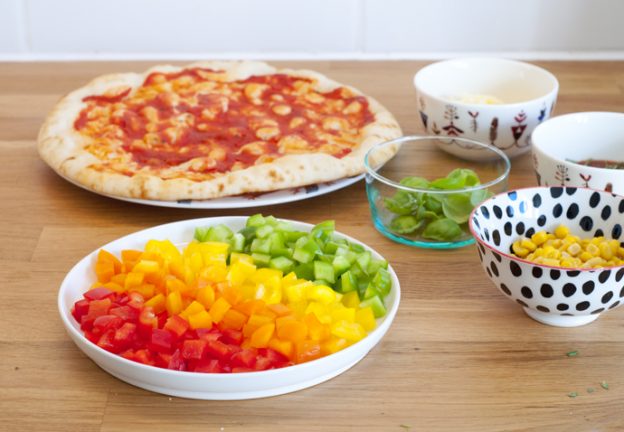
402 203
415 182
572 353
590 389
572 394
604 385
457 207
405 224
404 426
442 230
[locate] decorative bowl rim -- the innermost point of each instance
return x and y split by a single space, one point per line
522 260
553 79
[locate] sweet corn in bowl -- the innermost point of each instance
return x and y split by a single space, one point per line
563 249
555 251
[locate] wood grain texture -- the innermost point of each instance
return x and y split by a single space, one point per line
459 356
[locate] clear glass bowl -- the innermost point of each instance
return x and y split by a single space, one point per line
416 213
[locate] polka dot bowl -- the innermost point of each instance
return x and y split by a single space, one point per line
557 296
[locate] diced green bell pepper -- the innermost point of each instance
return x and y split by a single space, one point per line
323 270
261 259
282 263
340 264
305 250
256 220
304 271
376 304
348 282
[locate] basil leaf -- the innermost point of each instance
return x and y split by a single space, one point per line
401 203
457 207
442 230
405 224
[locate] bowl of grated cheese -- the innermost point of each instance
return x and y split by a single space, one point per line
494 101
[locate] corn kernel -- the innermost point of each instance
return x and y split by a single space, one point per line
593 249
605 251
539 237
528 244
561 231
574 249
519 250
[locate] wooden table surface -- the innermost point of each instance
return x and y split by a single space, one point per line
459 356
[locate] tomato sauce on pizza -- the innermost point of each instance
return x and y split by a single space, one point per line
197 119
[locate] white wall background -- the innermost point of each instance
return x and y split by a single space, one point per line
69 29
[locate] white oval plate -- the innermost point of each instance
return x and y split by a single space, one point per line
246 200
210 386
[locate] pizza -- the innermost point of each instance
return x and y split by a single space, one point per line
211 129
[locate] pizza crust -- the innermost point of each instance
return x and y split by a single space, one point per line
62 147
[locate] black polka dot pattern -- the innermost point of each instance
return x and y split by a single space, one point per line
503 219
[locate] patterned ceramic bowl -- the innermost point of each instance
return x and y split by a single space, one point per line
564 297
561 142
494 101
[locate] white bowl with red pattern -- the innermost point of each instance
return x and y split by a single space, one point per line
495 101
211 386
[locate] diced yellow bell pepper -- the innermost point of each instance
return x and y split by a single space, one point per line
366 318
350 331
133 280
351 299
321 293
206 296
297 292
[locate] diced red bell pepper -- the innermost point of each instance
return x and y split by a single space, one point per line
147 322
98 293
126 313
208 335
161 341
244 358
208 366
176 325
104 323
263 363
232 336
144 356
135 300
177 362
106 341
125 336
193 349
81 307
219 350
97 308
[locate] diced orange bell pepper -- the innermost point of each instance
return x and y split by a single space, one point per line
307 350
119 279
261 337
114 286
316 330
333 344
232 295
192 309
292 330
146 266
146 290
104 270
249 307
200 320
206 296
218 309
129 257
234 319
158 303
282 346
104 255
280 309
133 280
174 303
